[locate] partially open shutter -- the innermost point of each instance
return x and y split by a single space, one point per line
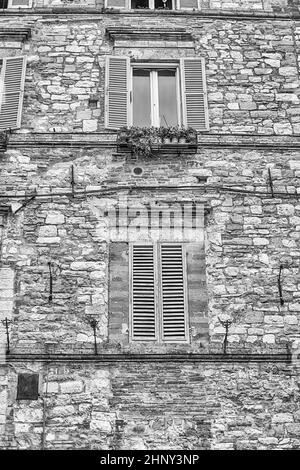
117 92
11 92
174 312
143 311
194 95
116 4
19 3
188 4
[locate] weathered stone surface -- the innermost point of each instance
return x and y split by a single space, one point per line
253 89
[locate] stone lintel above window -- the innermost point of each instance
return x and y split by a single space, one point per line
158 34
15 34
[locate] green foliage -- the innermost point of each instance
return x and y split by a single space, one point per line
143 140
3 138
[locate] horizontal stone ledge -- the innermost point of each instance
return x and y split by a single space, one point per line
169 357
290 14
109 140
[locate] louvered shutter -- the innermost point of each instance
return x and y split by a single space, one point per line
194 97
188 4
116 4
143 305
11 92
173 293
19 3
117 92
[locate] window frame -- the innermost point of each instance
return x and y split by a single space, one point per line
154 92
151 5
193 100
158 294
176 5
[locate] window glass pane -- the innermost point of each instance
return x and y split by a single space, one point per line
160 4
135 4
141 98
167 98
3 3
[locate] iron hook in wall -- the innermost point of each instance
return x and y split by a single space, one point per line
226 324
94 324
6 323
50 282
72 181
280 286
271 182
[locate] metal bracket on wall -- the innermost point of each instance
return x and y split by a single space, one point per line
93 323
50 282
280 286
26 202
226 324
72 181
6 323
271 182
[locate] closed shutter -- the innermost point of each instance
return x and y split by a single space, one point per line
19 3
173 302
117 92
194 97
116 4
188 4
11 92
143 310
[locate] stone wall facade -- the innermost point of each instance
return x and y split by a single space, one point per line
141 406
245 172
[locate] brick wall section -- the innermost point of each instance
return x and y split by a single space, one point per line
160 406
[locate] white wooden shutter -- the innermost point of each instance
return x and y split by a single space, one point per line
194 96
187 4
19 3
117 73
173 293
11 91
116 4
143 305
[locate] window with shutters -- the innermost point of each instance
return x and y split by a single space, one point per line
156 94
12 79
153 4
158 292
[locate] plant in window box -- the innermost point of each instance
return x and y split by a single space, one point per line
164 134
141 140
3 139
174 134
187 134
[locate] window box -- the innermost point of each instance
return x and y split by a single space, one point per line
153 4
3 141
146 141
